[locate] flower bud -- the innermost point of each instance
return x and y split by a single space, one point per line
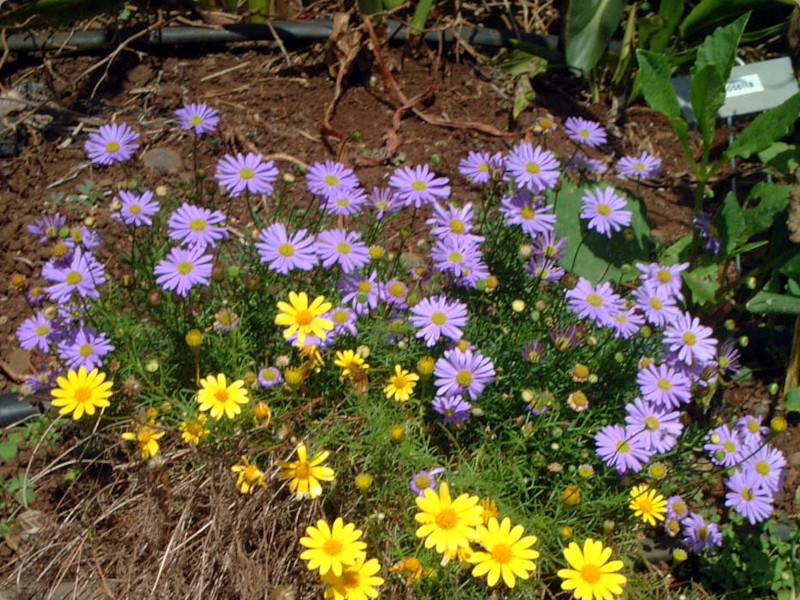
375 252
194 339
396 433
154 297
518 306
363 481
777 424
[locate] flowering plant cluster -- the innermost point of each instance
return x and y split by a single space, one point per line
515 352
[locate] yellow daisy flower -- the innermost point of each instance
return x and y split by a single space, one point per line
81 392
250 476
302 318
591 574
489 508
357 582
411 567
447 524
306 475
401 384
349 361
215 394
508 554
194 431
647 504
146 437
332 549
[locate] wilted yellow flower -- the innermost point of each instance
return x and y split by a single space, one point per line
363 481
350 363
146 437
571 495
250 476
262 414
294 377
580 373
425 366
194 431
194 339
409 566
578 401
489 510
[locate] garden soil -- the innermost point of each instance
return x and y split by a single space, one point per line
278 110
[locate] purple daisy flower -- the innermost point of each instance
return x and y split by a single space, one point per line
438 316
346 203
729 358
677 509
82 275
534 352
454 409
450 221
532 168
566 337
459 373
664 387
643 167
667 278
239 173
35 296
344 248
136 210
708 233
621 448
659 428
533 215
86 349
657 304
285 253
419 186
626 323
344 321
225 320
594 303
269 377
384 201
360 292
36 332
330 178
690 340
724 446
47 227
583 164
183 269
456 255
605 210
751 431
112 143
544 269
194 226
699 535
478 271
767 468
585 133
548 247
748 498
199 118
424 480
479 167
83 237
394 293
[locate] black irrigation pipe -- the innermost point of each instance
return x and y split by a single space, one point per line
298 32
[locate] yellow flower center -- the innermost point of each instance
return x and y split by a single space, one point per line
286 250
197 224
464 378
533 168
396 290
365 287
134 209
584 133
729 447
184 267
603 210
351 579
343 202
689 338
42 331
82 395
304 318
73 278
623 447
456 258
196 120
419 186
246 174
112 147
85 351
594 300
422 482
501 553
664 276
343 248
645 505
447 519
651 423
331 180
302 471
332 547
340 317
748 495
221 396
762 467
399 382
591 574
457 226
664 384
527 213
251 473
438 318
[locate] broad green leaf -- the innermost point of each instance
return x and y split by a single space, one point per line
719 49
772 200
524 96
8 450
768 303
590 25
792 400
707 96
598 257
677 251
703 284
659 94
729 222
783 157
670 11
766 128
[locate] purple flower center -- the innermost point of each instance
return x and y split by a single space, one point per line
455 257
603 210
527 213
663 384
456 226
340 317
651 423
196 120
689 338
656 303
748 495
622 447
664 276
594 300
762 467
134 209
396 290
729 447
365 287
423 482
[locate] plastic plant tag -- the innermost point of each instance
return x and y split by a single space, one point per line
750 89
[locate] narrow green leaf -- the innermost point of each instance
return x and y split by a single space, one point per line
590 25
707 96
719 49
710 13
670 11
766 128
768 303
659 94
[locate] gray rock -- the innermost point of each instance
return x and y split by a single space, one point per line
164 160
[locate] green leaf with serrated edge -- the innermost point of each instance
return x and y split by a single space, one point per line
792 400
599 258
719 49
766 128
772 199
590 25
769 303
703 284
8 450
707 97
782 157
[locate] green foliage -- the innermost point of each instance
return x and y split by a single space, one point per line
590 25
710 13
765 129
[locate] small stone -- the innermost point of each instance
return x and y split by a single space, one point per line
794 459
164 160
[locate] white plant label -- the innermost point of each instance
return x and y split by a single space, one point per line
743 85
